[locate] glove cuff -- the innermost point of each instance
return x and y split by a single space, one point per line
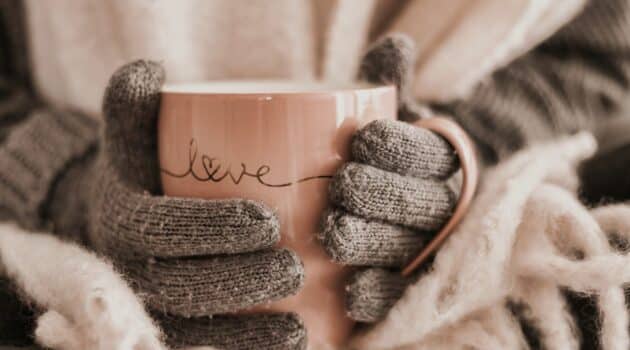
35 154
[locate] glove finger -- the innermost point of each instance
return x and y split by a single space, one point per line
132 223
376 194
353 240
216 285
372 292
389 61
236 332
404 149
130 106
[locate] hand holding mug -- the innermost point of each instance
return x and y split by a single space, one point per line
187 258
392 199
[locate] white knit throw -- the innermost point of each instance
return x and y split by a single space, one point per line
87 304
526 236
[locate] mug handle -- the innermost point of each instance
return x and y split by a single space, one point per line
465 149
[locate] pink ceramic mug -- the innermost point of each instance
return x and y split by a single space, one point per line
280 143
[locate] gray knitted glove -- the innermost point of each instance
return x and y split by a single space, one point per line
187 258
392 197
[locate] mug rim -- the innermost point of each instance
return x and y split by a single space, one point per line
268 87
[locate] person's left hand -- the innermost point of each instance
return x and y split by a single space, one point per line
390 199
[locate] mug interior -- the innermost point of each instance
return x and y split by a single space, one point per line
264 87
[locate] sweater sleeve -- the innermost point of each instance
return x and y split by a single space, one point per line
573 81
37 143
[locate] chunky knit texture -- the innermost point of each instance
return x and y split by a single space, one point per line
574 81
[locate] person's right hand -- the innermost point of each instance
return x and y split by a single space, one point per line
187 258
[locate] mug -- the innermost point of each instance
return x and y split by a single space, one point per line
278 142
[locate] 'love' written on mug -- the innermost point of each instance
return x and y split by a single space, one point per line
213 171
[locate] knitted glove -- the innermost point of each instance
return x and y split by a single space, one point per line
188 258
392 197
